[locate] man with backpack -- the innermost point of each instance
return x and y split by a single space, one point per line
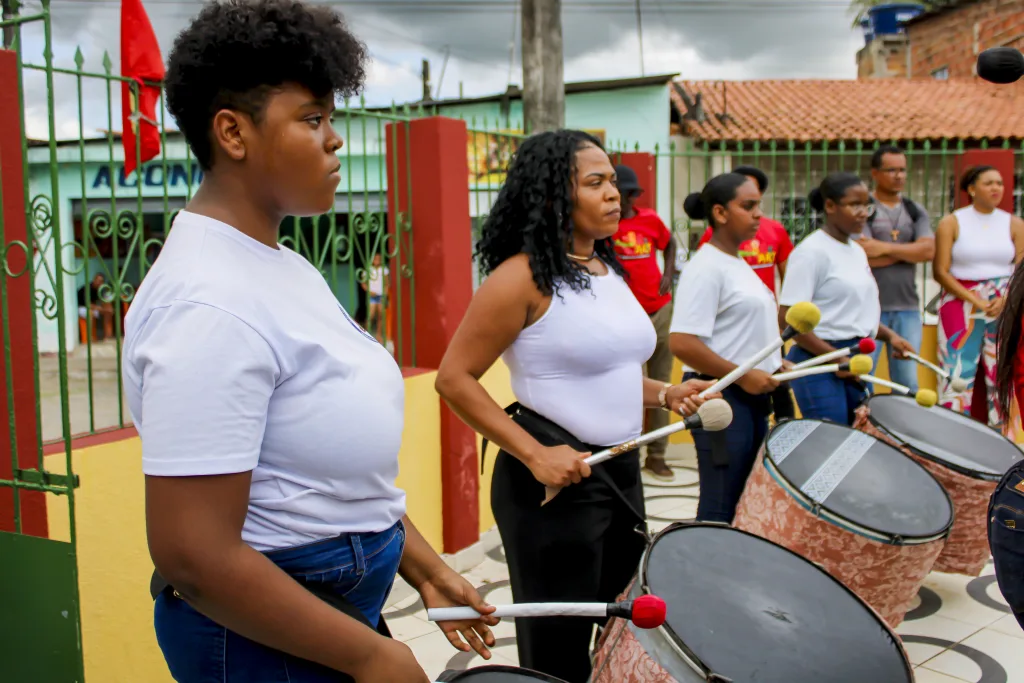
897 237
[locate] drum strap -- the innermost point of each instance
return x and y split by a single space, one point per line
538 425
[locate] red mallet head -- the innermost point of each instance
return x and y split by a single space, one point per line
866 346
646 611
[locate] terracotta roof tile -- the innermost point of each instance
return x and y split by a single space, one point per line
813 110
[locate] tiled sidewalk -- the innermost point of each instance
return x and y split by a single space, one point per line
961 629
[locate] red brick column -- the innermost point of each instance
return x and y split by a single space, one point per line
646 168
19 315
428 180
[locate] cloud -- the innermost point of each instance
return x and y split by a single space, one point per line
713 41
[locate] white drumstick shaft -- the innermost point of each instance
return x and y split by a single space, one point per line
743 368
529 609
609 453
823 358
931 366
817 370
885 383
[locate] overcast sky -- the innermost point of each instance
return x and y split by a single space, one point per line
699 39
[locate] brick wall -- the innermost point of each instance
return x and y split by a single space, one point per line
953 38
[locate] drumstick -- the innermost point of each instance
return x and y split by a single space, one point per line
925 398
931 366
858 365
801 318
713 416
646 611
865 346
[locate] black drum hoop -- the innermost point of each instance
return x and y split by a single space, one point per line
674 638
832 517
967 472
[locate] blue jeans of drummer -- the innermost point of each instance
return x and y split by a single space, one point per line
721 485
359 567
1006 538
826 397
906 324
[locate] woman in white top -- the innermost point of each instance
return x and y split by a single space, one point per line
270 423
724 313
829 269
976 248
555 306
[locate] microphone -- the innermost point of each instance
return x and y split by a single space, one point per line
1001 65
646 611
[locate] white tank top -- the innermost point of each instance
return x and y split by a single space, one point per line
983 249
581 364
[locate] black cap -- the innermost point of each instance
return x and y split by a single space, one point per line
627 180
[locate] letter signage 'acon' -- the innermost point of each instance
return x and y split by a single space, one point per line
177 175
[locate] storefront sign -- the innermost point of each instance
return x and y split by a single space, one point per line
152 176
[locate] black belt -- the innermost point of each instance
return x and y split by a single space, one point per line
537 424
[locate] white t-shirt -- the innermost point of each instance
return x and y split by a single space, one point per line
721 301
376 280
238 357
837 279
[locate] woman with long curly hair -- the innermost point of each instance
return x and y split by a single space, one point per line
976 248
555 306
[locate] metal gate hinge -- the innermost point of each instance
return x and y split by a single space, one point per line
33 476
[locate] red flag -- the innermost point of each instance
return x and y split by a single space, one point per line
140 61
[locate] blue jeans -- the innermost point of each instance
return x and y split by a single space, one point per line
826 397
1006 538
359 567
906 324
721 485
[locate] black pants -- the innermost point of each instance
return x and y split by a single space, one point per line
1006 538
584 546
782 404
724 459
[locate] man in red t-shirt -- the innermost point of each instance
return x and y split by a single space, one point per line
771 246
641 235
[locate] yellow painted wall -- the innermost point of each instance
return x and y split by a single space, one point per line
498 385
113 559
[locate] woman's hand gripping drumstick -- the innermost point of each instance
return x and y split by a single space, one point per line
713 415
801 318
865 346
925 398
858 365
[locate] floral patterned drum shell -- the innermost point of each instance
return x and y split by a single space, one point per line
870 516
741 608
967 457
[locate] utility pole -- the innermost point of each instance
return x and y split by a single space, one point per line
543 72
8 13
426 80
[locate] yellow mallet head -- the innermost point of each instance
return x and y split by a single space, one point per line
803 317
926 398
860 364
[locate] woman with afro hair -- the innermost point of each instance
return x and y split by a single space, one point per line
555 306
270 423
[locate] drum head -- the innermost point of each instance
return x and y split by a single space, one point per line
497 673
946 436
752 610
859 479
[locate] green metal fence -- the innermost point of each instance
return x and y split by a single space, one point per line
795 168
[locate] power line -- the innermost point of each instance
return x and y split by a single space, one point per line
505 6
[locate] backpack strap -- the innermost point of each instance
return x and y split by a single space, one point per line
912 208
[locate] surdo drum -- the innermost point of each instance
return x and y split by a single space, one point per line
742 609
496 674
869 516
965 456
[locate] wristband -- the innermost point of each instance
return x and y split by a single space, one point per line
663 396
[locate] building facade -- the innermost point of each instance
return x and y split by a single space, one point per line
945 43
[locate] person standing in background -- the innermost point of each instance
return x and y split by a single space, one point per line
641 235
897 237
767 252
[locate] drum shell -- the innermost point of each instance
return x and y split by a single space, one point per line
966 551
497 673
624 652
886 576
